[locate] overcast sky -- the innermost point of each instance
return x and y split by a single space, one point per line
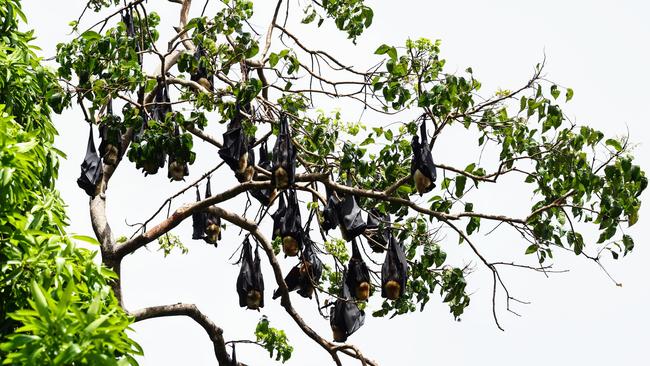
599 48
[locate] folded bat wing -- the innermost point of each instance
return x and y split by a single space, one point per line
346 315
351 219
395 266
330 213
278 217
263 195
380 225
91 168
422 158
292 223
258 278
246 275
234 144
284 154
198 220
357 269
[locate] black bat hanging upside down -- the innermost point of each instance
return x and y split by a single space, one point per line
212 222
201 74
284 157
394 271
291 230
177 169
250 283
235 145
422 167
264 195
91 168
206 225
378 230
345 316
358 275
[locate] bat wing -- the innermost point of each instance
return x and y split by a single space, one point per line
198 220
380 237
198 225
350 217
162 107
258 278
292 223
330 217
353 317
315 264
284 154
402 265
373 221
233 145
389 271
91 168
422 158
278 217
346 315
263 195
245 278
292 280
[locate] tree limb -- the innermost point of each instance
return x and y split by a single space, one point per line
192 311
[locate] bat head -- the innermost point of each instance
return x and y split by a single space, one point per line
392 289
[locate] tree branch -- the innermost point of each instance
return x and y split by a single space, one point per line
181 214
190 310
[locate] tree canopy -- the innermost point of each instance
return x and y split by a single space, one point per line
56 305
359 209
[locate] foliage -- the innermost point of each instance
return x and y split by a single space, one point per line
56 305
274 340
169 242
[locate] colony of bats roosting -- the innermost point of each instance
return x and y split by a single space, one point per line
342 211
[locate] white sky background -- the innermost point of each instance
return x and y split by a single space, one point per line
599 48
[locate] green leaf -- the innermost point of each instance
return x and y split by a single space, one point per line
473 225
64 301
532 249
90 35
273 59
392 52
40 300
633 217
614 144
382 49
578 244
96 323
309 18
67 355
569 94
628 243
85 238
385 49
460 185
555 92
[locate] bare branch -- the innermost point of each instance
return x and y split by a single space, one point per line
269 32
190 310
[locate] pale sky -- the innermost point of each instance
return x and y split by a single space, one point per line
599 48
